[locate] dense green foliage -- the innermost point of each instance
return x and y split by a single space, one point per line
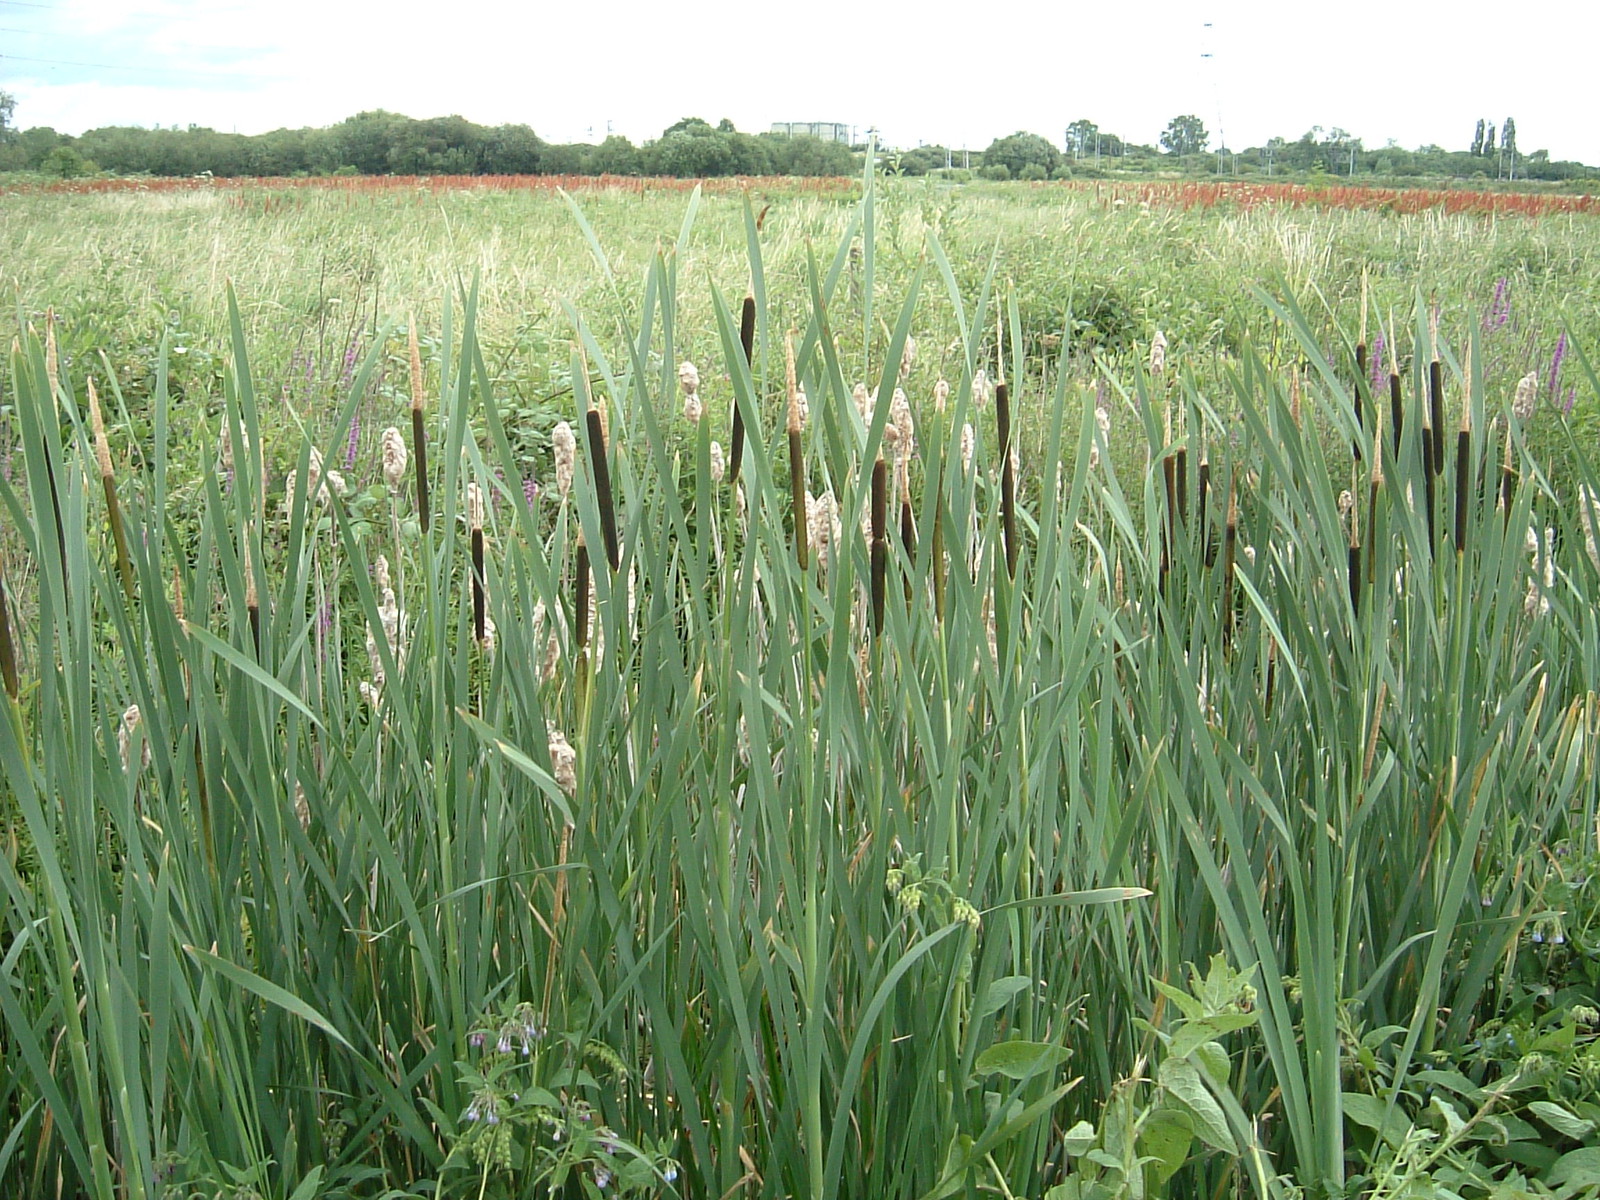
1111 843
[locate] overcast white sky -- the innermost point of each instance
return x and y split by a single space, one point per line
962 76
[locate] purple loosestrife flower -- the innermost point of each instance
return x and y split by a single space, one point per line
1377 362
1554 384
350 448
530 490
350 356
1499 308
1571 397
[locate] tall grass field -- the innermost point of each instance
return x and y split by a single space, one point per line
898 691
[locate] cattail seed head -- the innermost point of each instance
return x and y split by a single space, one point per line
127 730
1537 601
474 506
565 444
563 759
693 408
1527 396
1158 353
968 438
1102 426
981 391
941 395
52 360
1587 518
719 464
865 405
394 458
102 447
905 429
415 349
688 378
908 357
823 528
380 574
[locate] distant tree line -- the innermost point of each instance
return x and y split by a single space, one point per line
385 143
1185 148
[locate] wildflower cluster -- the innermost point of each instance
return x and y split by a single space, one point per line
929 893
522 1116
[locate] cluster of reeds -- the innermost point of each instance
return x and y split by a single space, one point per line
817 878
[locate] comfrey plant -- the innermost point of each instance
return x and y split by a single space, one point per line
534 1115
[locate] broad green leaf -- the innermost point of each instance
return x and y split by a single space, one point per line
1577 1169
309 1185
1369 1111
1020 1060
1164 1143
1193 1034
1182 1080
1000 993
1564 1122
1080 1139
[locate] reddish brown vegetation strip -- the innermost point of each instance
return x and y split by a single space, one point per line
1245 196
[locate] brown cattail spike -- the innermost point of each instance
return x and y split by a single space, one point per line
600 468
252 602
1359 391
880 541
479 582
747 343
1355 558
8 648
1508 480
108 483
580 595
1355 579
1230 544
1202 488
419 433
1430 488
1183 484
908 540
1397 412
1436 411
797 461
1169 479
1008 477
1372 499
1463 473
